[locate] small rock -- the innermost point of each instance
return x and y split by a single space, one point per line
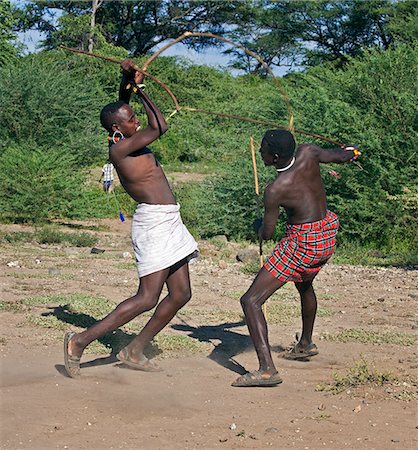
96 250
13 264
232 426
321 407
247 255
126 255
395 440
381 299
220 237
357 409
222 264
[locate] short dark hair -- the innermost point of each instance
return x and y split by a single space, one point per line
108 113
280 142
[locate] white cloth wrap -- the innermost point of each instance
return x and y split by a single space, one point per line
159 237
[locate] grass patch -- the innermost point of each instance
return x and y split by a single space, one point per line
50 322
362 375
82 311
50 235
178 343
16 237
285 313
11 306
360 255
358 375
42 276
95 306
125 265
373 337
250 267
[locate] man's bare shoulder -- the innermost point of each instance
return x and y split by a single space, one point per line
275 188
307 151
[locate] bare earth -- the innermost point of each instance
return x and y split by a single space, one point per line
191 404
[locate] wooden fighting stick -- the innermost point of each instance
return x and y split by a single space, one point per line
257 196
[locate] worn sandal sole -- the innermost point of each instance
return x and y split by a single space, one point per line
71 363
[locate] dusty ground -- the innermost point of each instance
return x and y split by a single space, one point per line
191 404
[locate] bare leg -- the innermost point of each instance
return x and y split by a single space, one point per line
146 298
179 293
309 307
262 288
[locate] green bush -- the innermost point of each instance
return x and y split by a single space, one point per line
37 183
52 101
52 113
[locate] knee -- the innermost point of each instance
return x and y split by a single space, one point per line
248 302
182 296
144 301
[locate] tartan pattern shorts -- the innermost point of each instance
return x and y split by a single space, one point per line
304 250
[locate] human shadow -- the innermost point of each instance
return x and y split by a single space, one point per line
231 344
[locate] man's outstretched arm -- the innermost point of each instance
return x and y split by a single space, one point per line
335 155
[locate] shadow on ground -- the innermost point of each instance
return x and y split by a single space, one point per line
230 345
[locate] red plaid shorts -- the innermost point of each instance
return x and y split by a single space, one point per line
304 250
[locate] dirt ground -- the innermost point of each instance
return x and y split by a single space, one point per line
191 403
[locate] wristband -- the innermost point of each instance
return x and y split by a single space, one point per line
138 87
356 153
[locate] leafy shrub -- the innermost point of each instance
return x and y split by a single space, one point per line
37 183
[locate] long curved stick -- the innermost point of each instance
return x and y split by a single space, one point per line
187 108
261 122
106 58
257 195
188 34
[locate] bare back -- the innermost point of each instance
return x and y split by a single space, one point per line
299 190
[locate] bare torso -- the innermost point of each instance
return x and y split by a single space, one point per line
300 190
144 180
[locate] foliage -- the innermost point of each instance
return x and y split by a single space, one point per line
291 33
50 235
307 33
357 376
8 47
222 205
53 136
52 104
371 103
37 183
373 337
137 26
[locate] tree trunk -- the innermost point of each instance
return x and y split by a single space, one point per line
94 6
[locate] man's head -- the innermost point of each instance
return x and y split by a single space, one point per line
119 116
277 147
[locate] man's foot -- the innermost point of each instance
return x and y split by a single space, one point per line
143 363
71 361
257 378
300 353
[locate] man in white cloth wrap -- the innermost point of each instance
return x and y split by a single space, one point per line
162 244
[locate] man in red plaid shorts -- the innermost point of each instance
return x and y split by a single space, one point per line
307 245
